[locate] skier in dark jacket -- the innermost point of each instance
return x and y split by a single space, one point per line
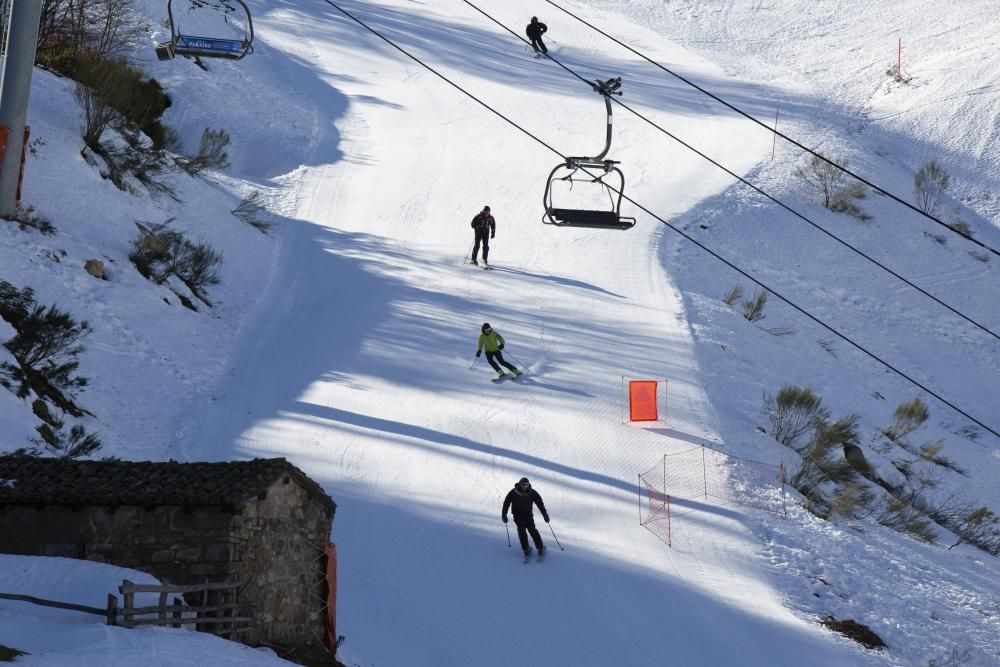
493 342
519 500
535 30
485 228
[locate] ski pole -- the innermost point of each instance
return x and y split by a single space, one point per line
473 363
556 538
520 363
505 525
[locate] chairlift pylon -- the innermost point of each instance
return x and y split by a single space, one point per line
208 46
581 170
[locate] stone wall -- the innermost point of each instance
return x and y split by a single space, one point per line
281 538
273 545
173 544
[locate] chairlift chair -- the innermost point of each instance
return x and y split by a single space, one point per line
184 44
584 170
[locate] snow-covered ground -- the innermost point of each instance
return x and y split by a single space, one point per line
53 636
343 339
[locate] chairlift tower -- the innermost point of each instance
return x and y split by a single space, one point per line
18 63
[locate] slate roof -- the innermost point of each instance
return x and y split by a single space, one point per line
30 481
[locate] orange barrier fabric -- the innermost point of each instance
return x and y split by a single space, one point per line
642 401
331 596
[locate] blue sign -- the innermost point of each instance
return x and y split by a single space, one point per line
209 44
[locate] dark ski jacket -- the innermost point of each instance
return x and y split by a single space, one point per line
536 30
484 222
520 503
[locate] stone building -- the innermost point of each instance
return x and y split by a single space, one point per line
263 523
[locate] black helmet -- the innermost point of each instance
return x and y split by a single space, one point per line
486 208
524 484
486 327
534 19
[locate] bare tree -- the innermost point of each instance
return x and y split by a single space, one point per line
98 114
929 184
71 30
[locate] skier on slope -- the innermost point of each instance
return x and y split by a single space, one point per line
535 30
519 500
485 228
493 342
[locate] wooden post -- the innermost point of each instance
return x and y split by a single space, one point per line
112 617
177 613
162 614
129 597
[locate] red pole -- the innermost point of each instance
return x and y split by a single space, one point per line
775 142
784 507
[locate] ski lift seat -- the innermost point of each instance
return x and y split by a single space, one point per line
571 217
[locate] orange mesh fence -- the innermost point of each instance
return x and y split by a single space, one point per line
642 401
683 482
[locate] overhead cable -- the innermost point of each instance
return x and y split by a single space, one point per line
689 238
780 134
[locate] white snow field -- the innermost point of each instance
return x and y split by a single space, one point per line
344 339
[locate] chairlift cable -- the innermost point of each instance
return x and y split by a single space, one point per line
689 238
776 132
757 189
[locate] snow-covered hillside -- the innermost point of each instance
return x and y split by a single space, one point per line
344 338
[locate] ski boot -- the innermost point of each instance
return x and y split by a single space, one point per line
474 262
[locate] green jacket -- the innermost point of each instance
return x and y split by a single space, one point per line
492 343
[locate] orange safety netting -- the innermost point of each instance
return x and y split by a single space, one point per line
331 597
642 401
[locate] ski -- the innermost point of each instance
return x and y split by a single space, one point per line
506 376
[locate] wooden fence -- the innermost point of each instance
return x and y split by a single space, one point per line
218 611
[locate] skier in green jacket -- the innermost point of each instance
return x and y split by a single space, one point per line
492 342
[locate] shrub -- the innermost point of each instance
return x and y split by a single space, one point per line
55 440
822 467
45 350
792 412
117 86
929 183
733 295
25 216
160 252
907 418
979 527
249 209
900 515
828 180
843 200
211 153
932 452
7 654
852 501
133 161
753 309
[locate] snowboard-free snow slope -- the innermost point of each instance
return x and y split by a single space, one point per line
355 364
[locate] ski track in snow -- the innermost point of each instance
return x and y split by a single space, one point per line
376 400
